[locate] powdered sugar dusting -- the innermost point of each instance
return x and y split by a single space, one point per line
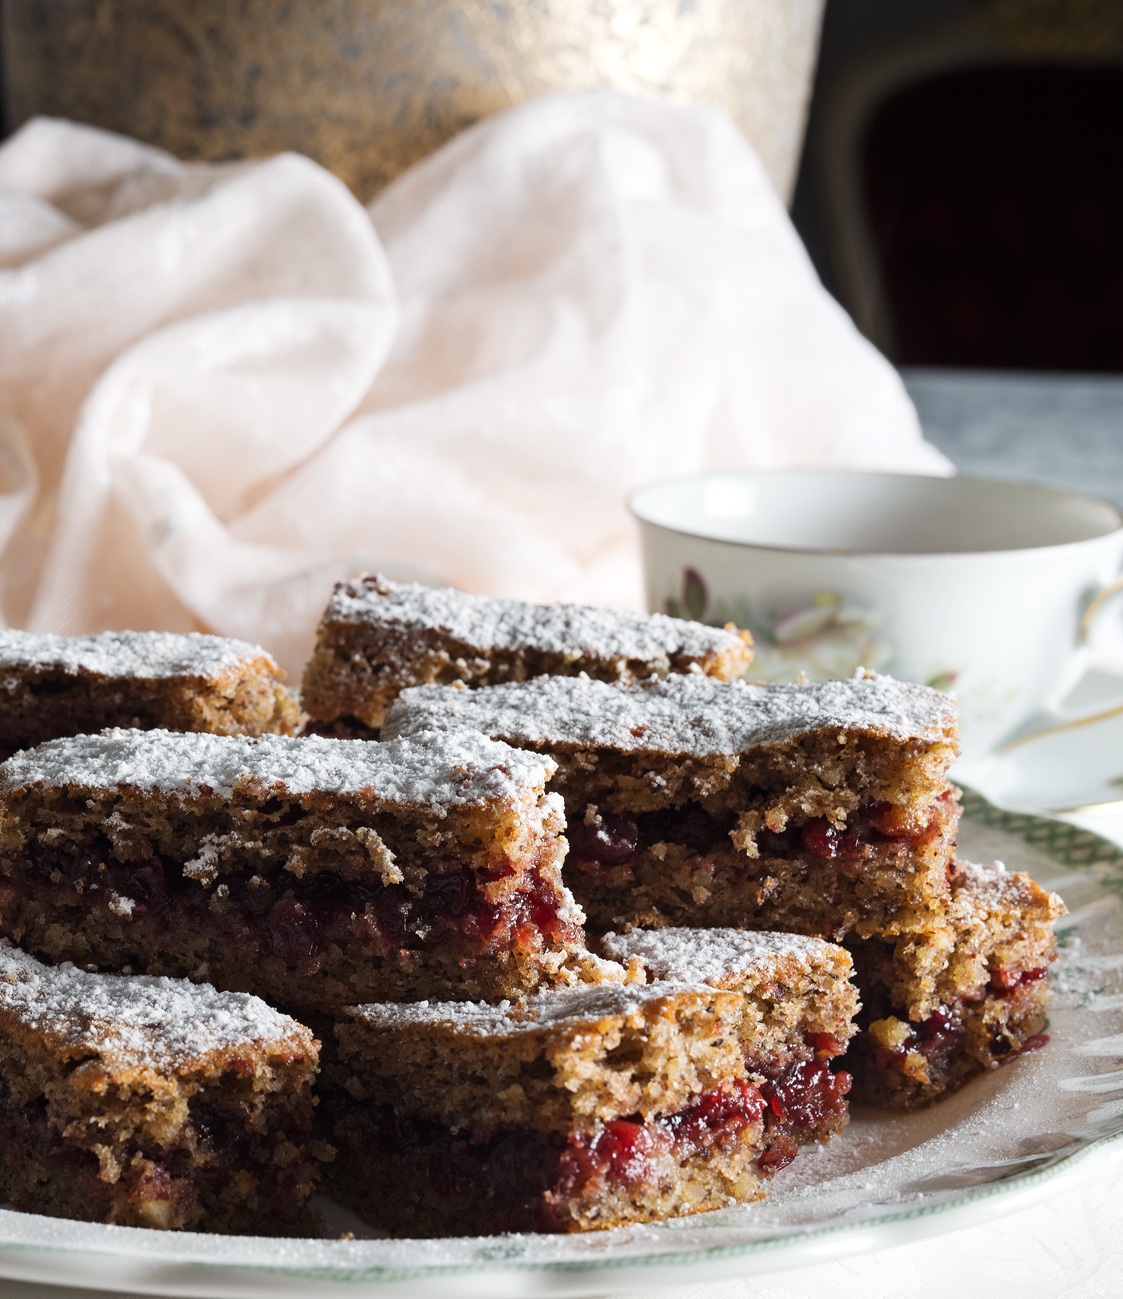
436 771
676 714
138 1020
486 623
557 1008
149 655
993 887
714 955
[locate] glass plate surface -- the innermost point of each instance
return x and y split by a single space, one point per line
1007 1139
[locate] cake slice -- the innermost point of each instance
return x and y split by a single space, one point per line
377 637
68 685
307 871
152 1102
577 1109
817 809
791 984
799 1007
988 1003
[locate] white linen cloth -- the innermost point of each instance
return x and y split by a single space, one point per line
224 387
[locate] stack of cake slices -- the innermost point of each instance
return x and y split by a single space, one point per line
545 921
822 810
126 1097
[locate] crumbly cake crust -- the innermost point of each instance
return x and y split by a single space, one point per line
822 809
577 1109
152 1102
308 871
66 685
998 919
989 997
794 988
377 637
613 1051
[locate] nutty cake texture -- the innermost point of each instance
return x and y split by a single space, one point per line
68 685
377 637
582 1108
791 984
988 1003
307 871
152 1102
818 809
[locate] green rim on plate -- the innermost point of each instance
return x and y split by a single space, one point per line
1070 845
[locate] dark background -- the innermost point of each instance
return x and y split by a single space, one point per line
985 179
961 187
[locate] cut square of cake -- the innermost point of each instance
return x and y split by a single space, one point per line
817 809
307 871
798 1010
791 983
577 1109
68 685
377 637
989 1001
153 1102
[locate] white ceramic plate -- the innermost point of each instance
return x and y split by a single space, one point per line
1072 763
1007 1139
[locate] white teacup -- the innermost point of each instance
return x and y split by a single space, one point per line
986 588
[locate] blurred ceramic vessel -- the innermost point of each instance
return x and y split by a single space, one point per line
984 587
368 87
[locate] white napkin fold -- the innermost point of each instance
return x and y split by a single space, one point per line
224 387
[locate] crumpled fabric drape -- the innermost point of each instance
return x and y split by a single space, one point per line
222 387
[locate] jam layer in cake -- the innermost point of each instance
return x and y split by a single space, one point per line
378 637
988 1005
307 871
818 809
70 685
578 1109
153 1102
798 1008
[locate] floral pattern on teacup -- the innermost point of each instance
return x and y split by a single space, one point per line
824 640
821 640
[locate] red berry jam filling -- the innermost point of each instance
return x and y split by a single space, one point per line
1003 982
625 1150
936 1038
869 827
939 1038
298 927
28 1139
611 842
521 1180
601 848
605 849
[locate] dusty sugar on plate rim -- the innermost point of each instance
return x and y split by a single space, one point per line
438 771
